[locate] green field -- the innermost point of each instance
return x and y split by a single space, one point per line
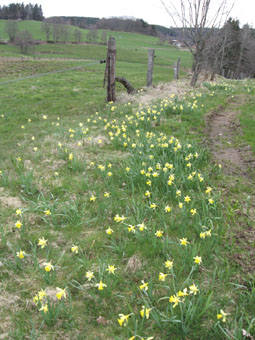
114 222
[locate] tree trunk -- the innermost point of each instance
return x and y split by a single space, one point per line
196 72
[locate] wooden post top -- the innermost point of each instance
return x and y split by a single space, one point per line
112 44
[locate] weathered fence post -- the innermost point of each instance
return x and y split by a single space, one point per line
150 66
177 69
111 66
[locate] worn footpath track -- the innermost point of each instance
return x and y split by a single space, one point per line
223 127
238 164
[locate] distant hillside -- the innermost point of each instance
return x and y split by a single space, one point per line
172 32
114 24
82 22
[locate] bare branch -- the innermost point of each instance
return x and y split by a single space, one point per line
198 19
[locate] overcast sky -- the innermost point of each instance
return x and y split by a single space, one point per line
150 10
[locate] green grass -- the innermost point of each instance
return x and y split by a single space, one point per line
62 148
131 47
248 123
35 28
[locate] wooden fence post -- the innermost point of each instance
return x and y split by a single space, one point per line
150 66
111 66
177 69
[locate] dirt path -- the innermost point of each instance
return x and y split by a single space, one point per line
223 127
238 162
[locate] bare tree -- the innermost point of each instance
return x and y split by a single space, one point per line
92 35
56 32
24 40
104 38
77 35
11 28
198 19
162 38
64 33
46 28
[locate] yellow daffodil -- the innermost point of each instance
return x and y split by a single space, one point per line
153 205
193 211
111 269
187 199
123 319
222 315
148 183
144 285
42 294
208 190
74 249
109 231
44 308
147 193
142 226
89 275
20 254
36 299
42 242
209 233
48 266
61 293
145 312
18 212
183 293
118 218
131 229
169 264
193 289
159 233
175 300
100 285
184 241
18 224
162 276
178 193
202 235
197 259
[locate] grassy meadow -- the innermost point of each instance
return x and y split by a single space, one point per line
115 224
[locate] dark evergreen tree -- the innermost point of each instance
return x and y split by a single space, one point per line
16 11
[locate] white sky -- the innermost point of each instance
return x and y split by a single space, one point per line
150 10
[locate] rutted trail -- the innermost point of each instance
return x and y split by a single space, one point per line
222 130
237 161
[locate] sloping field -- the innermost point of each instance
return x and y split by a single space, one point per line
116 223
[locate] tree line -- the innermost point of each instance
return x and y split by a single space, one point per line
122 24
54 33
216 41
15 11
230 51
